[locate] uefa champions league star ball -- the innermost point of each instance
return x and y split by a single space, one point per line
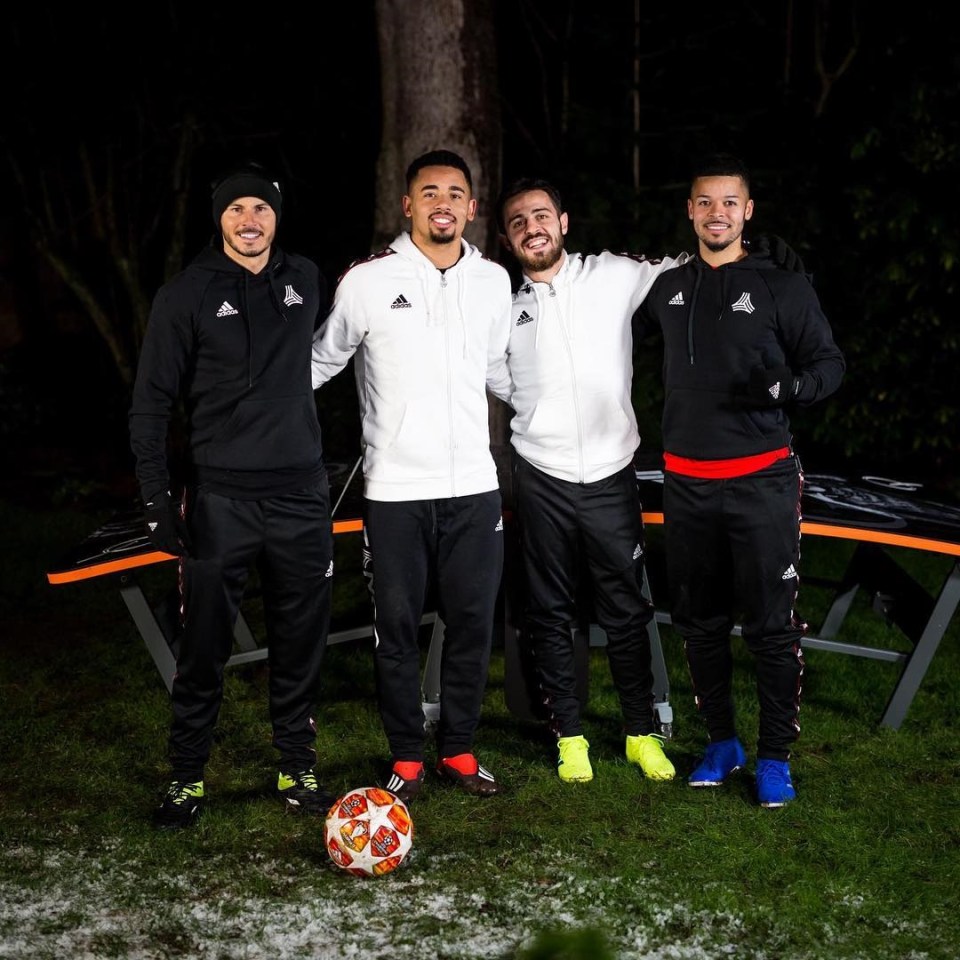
368 832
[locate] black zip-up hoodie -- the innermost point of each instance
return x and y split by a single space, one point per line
236 346
718 324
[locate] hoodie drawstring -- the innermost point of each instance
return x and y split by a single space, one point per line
690 312
245 309
277 305
461 300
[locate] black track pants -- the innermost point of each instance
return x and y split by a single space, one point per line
290 540
733 550
565 527
459 542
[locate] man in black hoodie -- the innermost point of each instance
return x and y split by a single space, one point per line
743 342
230 337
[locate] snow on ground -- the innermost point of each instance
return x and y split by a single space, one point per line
101 907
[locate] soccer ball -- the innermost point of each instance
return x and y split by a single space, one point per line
368 832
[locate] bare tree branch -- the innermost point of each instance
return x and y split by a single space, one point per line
828 77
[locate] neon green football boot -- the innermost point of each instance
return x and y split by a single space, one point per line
181 805
302 793
647 753
573 766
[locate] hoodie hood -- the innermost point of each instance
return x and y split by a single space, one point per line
213 258
758 258
571 267
403 245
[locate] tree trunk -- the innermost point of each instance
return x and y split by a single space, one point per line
439 90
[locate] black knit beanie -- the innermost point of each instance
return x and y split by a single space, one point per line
244 183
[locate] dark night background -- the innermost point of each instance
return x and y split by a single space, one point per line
847 116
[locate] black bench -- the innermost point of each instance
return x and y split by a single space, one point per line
880 515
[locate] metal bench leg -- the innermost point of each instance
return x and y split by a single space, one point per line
918 661
153 636
663 712
430 682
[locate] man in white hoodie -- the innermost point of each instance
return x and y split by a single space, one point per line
575 436
428 319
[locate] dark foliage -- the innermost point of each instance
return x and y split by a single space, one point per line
847 118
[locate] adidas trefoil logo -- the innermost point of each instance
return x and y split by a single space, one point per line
499 526
743 304
774 392
637 552
523 318
290 296
789 573
226 310
400 303
329 572
676 300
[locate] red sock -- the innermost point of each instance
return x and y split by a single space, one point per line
408 769
465 763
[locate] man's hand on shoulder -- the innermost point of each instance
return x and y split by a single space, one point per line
779 252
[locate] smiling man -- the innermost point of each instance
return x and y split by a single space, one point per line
228 336
428 319
744 343
574 436
718 208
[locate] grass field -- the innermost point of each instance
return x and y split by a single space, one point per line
866 863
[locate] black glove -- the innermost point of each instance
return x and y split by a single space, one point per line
772 386
166 527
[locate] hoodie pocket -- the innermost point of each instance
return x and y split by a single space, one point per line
272 434
416 440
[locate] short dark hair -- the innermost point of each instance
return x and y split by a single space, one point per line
525 185
439 158
721 165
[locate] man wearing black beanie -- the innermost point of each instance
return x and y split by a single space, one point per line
229 336
246 181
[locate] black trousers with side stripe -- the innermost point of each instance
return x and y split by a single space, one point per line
564 528
456 544
733 550
290 540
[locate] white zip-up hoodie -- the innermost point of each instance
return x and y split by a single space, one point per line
571 363
427 343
